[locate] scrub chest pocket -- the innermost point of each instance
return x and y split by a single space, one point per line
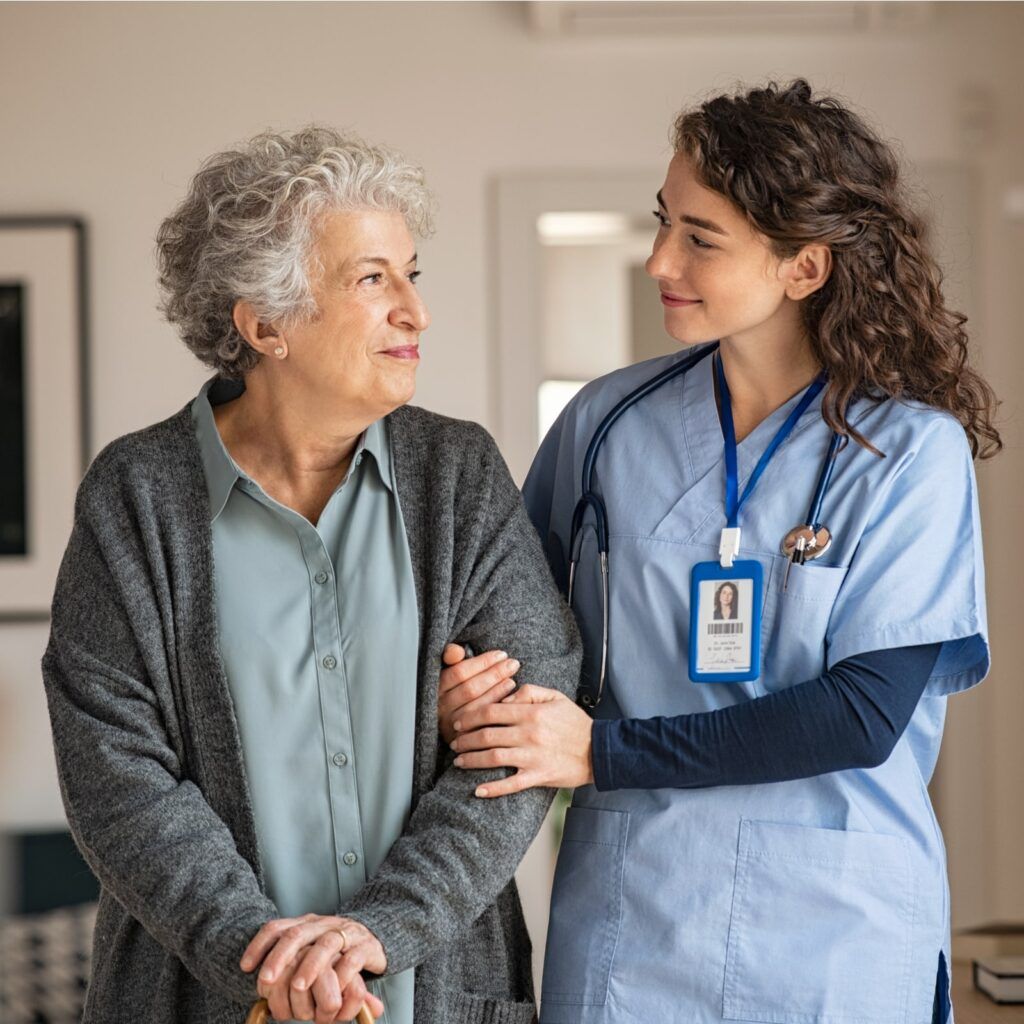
795 620
586 909
821 927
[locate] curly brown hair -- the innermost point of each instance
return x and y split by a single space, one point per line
806 170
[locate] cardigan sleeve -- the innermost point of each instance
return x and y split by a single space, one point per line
458 851
143 826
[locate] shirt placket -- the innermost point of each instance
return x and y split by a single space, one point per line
338 739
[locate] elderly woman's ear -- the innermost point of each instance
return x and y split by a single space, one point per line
263 337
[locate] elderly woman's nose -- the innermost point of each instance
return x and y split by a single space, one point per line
411 311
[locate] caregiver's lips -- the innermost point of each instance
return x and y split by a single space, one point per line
677 300
403 352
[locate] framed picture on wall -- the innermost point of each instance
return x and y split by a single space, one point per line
44 442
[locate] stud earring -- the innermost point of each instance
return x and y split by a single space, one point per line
280 352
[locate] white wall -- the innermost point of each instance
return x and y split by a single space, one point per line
106 110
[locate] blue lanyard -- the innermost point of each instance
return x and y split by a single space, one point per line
733 504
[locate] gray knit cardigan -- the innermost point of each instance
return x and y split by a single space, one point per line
151 766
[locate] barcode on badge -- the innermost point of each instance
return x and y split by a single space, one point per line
724 628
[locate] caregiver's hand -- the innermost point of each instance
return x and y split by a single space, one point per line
470 683
540 732
309 971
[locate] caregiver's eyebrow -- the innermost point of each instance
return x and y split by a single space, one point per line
697 222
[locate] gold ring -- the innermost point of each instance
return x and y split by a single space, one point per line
344 938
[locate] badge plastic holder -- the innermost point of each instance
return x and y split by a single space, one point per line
746 569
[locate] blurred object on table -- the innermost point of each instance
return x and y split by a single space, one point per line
1001 978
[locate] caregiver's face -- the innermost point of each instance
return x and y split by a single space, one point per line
718 277
362 348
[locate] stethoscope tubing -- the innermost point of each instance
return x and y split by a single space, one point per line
824 479
590 499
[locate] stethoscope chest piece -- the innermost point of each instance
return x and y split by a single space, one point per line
805 543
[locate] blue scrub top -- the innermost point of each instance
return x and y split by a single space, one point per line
814 901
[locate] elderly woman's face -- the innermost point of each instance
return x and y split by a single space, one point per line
363 347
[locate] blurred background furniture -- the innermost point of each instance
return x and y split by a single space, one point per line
45 942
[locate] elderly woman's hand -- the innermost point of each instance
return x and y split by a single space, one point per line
310 967
470 683
539 732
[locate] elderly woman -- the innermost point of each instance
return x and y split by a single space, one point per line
249 625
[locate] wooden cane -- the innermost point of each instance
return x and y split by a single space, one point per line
260 1014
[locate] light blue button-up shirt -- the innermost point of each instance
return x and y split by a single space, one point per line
319 637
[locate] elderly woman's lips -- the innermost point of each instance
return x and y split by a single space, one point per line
403 352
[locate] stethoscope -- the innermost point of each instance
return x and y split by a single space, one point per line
801 544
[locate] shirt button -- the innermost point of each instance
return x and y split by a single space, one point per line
340 760
330 661
321 577
350 858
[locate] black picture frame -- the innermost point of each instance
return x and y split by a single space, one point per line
27 579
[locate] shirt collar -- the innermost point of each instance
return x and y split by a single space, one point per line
222 472
376 441
220 469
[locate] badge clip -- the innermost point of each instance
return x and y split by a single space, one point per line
728 546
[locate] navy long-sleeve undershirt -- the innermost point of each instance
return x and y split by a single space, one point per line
849 717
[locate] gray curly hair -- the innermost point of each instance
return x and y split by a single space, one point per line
246 229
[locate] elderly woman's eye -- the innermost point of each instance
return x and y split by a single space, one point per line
373 278
660 218
415 276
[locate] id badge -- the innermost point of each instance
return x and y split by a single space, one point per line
725 622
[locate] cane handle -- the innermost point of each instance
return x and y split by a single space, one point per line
259 1014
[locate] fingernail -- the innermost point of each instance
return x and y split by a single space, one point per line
514 665
501 655
457 726
510 684
246 963
300 984
459 761
481 791
267 977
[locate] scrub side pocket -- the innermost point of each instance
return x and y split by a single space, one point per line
586 908
821 927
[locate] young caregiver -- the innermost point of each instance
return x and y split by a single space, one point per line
751 837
